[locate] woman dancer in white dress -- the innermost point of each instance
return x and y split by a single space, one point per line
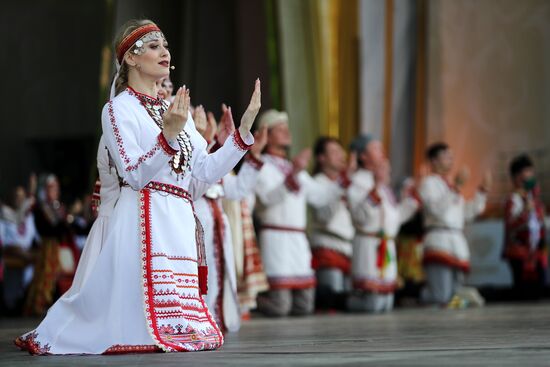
144 291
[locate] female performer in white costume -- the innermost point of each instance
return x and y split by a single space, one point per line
144 291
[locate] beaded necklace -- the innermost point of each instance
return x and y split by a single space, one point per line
181 162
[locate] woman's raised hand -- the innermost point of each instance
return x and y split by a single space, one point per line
211 127
175 117
252 111
226 126
201 124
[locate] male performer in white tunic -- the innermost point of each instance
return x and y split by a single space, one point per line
378 219
284 188
333 229
370 153
446 254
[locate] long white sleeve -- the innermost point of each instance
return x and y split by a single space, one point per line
367 213
317 194
475 206
240 186
138 157
436 203
268 190
210 168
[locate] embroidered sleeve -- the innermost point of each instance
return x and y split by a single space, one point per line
239 142
165 145
210 168
138 156
271 187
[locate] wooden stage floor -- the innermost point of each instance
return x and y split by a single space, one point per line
497 335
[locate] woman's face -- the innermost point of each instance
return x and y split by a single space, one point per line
279 136
154 58
334 157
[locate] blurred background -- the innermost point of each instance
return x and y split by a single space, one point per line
473 73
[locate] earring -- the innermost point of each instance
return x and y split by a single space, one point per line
138 66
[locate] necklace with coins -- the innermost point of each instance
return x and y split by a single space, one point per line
181 161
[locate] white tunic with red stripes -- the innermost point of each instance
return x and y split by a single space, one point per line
445 212
333 231
281 207
378 218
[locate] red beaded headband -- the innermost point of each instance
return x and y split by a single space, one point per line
130 39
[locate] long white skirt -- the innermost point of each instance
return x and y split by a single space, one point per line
141 294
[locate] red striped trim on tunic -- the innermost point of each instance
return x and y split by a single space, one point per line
440 257
297 282
374 285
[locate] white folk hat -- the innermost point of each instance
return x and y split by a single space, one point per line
273 117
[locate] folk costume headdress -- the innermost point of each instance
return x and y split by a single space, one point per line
134 42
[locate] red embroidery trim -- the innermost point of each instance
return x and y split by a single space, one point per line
374 197
170 189
154 100
121 150
148 284
329 258
239 142
292 183
374 286
165 145
31 344
125 349
438 257
200 339
130 39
